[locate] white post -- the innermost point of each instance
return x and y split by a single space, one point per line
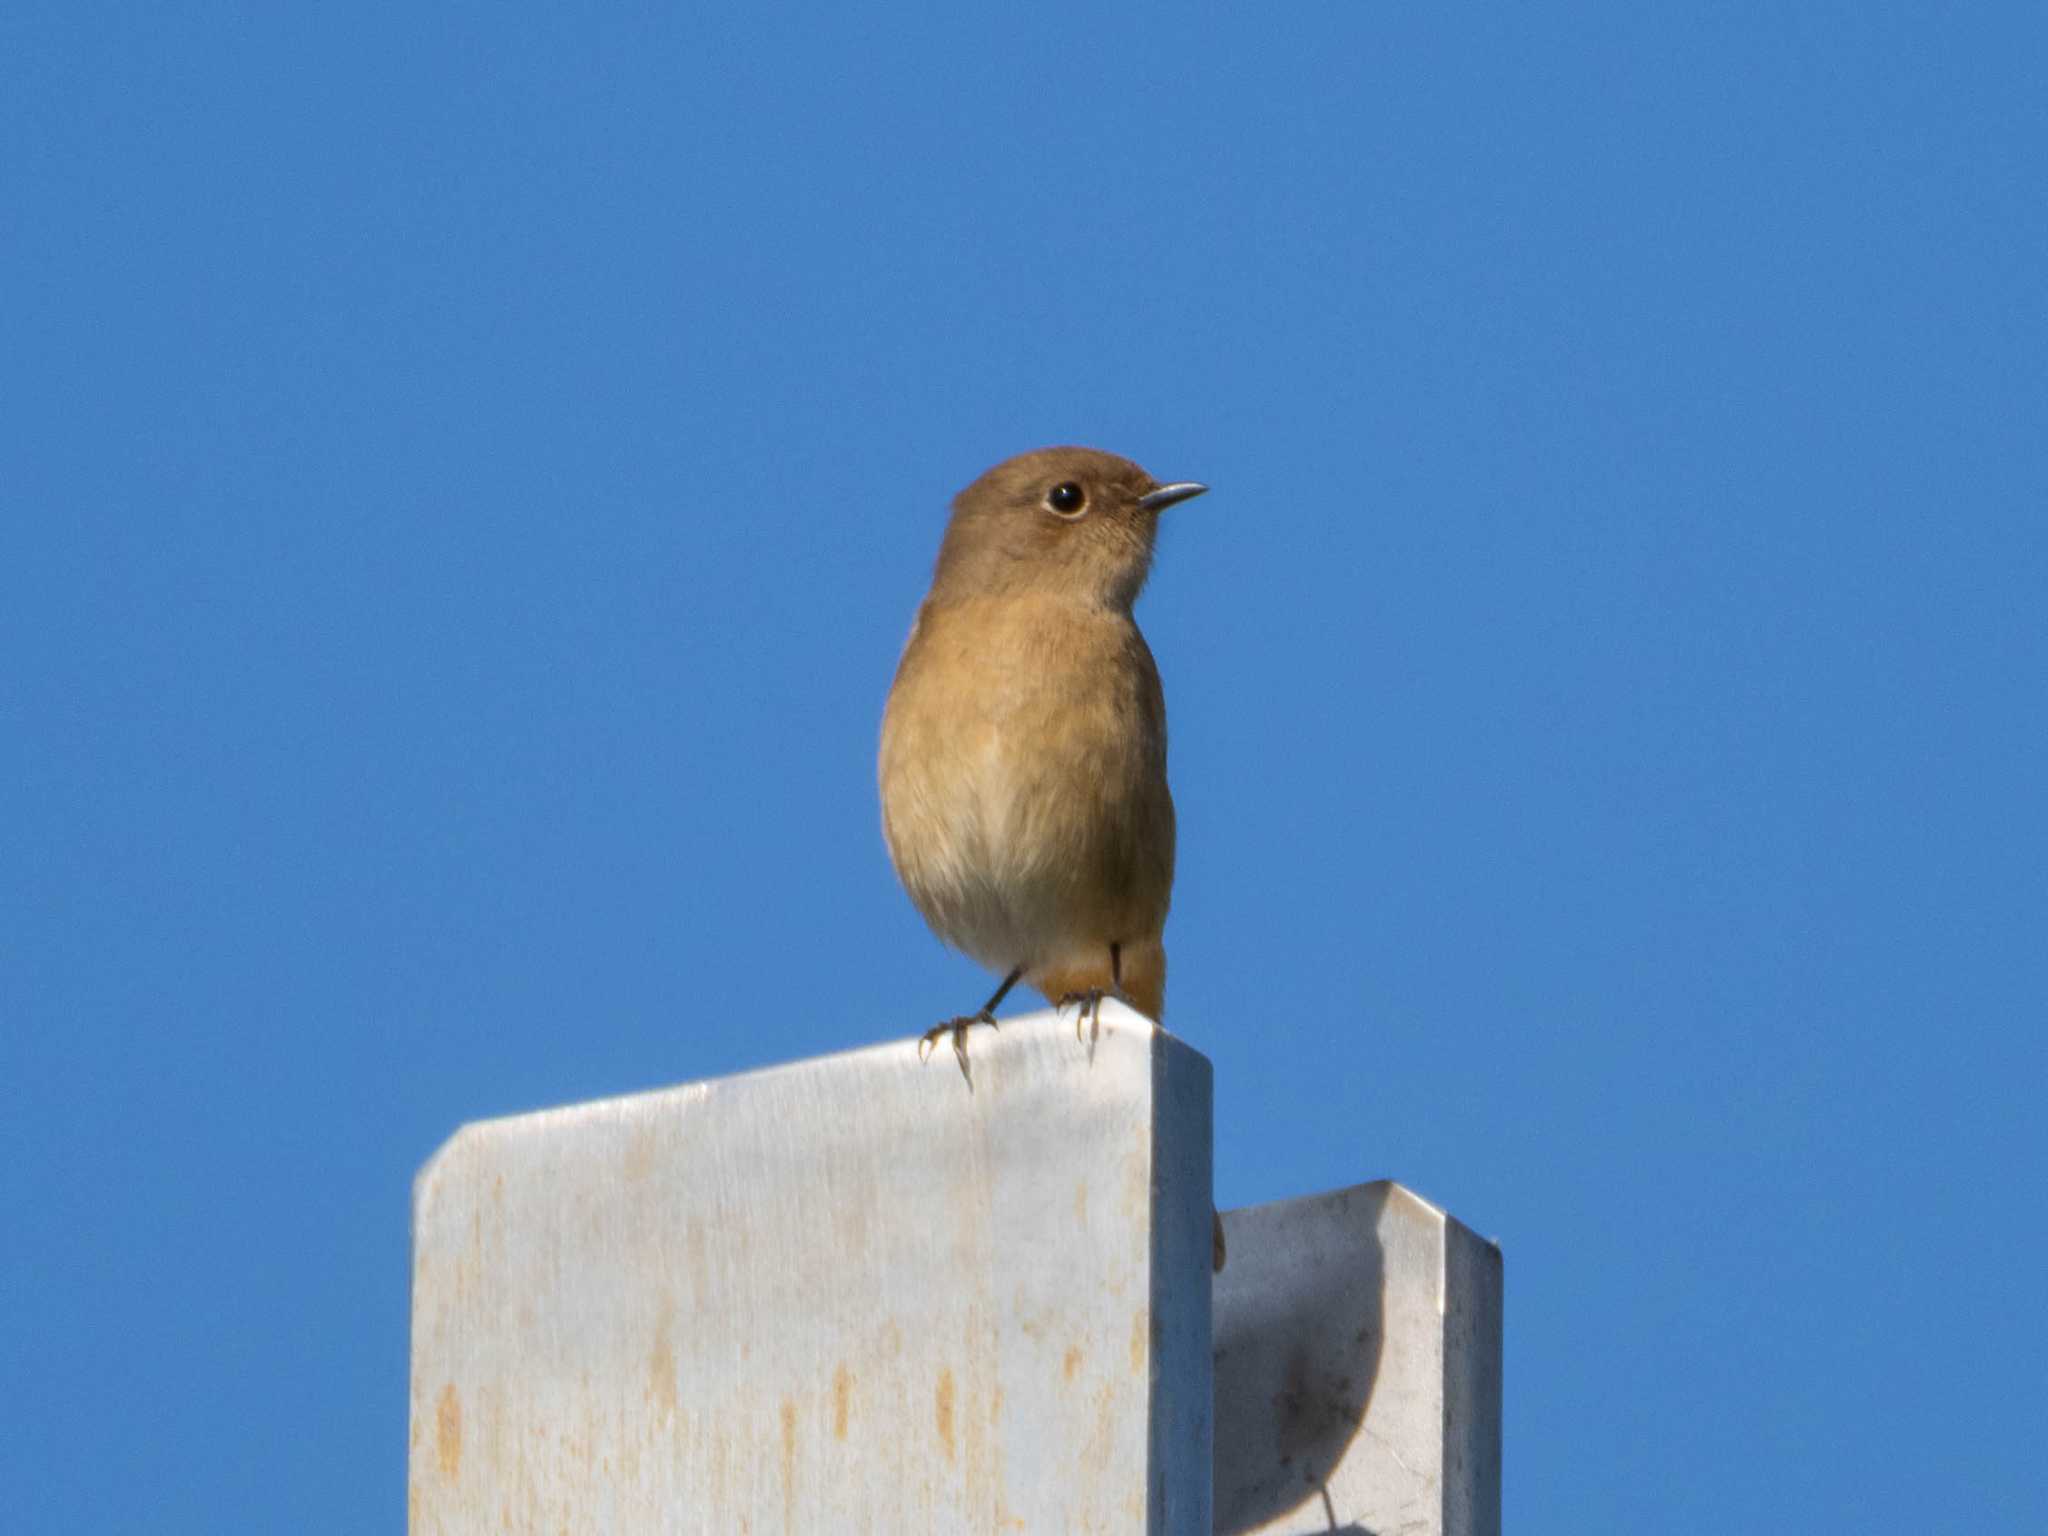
853 1294
858 1295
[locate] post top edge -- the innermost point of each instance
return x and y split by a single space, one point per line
1121 1029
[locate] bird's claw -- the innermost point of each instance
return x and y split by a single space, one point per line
957 1028
1090 1010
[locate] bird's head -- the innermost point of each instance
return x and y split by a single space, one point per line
1071 521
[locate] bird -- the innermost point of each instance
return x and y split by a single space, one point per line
1023 756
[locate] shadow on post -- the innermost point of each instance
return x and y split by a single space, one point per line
1299 1329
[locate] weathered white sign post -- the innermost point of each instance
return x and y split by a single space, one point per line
860 1294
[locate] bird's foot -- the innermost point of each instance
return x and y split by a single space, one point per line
957 1028
1090 1012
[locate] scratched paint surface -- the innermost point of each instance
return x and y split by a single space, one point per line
847 1295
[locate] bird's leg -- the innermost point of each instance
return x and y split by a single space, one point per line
958 1028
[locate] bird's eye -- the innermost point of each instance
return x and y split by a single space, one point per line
1066 498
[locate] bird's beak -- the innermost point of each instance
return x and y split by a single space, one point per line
1167 495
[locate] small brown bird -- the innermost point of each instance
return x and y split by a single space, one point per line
1023 762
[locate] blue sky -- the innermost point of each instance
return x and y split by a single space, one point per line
466 476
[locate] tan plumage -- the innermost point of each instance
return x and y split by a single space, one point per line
1023 758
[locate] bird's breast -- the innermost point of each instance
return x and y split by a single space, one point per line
1023 776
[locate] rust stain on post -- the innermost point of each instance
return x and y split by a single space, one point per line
842 1401
661 1357
643 1153
448 1431
945 1413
